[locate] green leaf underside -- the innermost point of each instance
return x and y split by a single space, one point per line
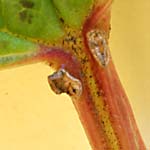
11 45
42 19
9 60
14 49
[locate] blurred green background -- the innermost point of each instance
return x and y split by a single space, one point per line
32 117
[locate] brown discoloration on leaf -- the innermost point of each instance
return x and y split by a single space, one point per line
27 3
25 16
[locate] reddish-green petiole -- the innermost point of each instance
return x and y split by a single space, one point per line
84 70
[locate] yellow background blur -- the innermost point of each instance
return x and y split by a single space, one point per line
32 117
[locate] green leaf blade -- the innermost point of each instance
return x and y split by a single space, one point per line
73 12
32 18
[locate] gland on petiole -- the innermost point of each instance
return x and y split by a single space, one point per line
62 82
98 46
